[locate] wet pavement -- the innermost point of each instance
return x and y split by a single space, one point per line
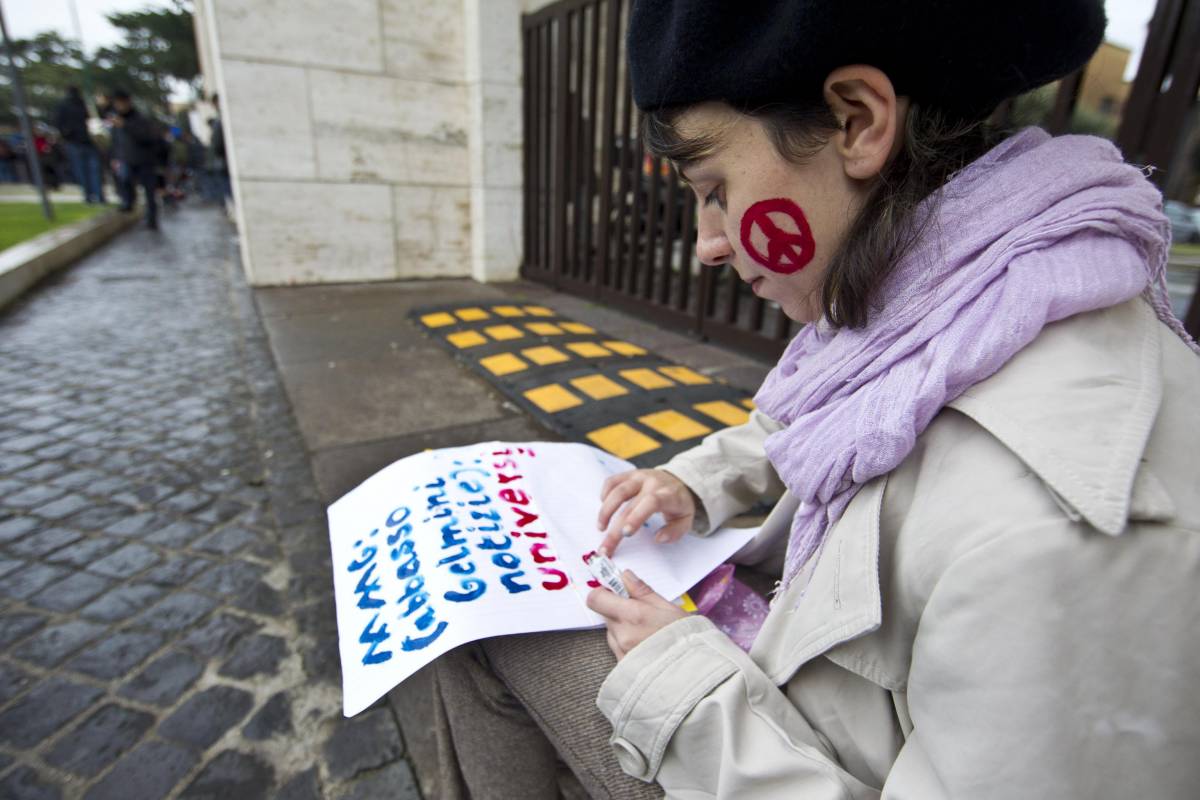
166 617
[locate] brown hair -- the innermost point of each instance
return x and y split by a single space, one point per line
935 147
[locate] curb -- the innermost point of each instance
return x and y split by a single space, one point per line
24 264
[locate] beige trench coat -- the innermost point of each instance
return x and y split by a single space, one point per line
1013 612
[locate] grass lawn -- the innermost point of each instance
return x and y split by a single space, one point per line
21 221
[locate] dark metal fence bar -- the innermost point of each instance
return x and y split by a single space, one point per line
667 264
559 113
1065 100
1155 65
528 142
651 226
689 236
607 140
625 149
589 150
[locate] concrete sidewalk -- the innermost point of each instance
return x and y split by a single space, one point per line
367 388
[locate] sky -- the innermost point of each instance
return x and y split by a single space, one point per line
1127 20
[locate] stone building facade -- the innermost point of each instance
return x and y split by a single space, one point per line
370 139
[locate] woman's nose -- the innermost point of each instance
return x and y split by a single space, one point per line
712 246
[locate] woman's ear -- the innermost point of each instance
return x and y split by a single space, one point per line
864 101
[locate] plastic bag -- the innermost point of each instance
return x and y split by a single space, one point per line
737 610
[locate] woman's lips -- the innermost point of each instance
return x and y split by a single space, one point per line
756 285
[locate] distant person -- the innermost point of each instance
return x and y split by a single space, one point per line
71 119
136 141
106 141
8 163
177 166
196 156
49 155
218 166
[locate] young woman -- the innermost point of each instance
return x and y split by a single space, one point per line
984 442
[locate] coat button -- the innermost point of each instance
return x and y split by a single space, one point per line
629 757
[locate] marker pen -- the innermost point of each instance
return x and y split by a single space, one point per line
604 570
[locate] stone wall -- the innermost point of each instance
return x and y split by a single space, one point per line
370 139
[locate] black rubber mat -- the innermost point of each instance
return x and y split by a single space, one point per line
582 384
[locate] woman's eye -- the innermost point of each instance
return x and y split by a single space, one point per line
714 197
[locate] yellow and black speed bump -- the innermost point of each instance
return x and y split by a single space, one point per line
585 385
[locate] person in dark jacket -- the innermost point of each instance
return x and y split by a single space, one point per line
8 162
135 145
71 119
218 187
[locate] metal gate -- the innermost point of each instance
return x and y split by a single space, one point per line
602 219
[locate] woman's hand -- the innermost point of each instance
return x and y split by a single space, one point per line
631 621
643 492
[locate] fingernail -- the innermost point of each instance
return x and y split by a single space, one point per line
627 530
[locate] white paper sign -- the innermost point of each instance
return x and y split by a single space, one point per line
453 545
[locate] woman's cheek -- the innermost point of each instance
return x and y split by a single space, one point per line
775 234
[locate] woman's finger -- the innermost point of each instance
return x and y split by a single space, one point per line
613 496
614 479
673 531
611 541
640 590
606 604
634 516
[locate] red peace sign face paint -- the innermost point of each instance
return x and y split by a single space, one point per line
775 233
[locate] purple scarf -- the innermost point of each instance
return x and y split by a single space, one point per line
1037 230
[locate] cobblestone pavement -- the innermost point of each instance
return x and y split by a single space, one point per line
166 615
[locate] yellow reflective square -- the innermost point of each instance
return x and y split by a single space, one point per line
625 348
539 311
438 320
503 364
622 440
466 339
723 411
646 378
508 311
503 332
577 327
545 355
472 314
598 387
749 403
588 350
552 398
674 426
544 328
685 375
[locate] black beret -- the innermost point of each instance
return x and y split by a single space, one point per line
961 56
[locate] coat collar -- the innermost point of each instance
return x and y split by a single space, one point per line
839 589
1076 406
